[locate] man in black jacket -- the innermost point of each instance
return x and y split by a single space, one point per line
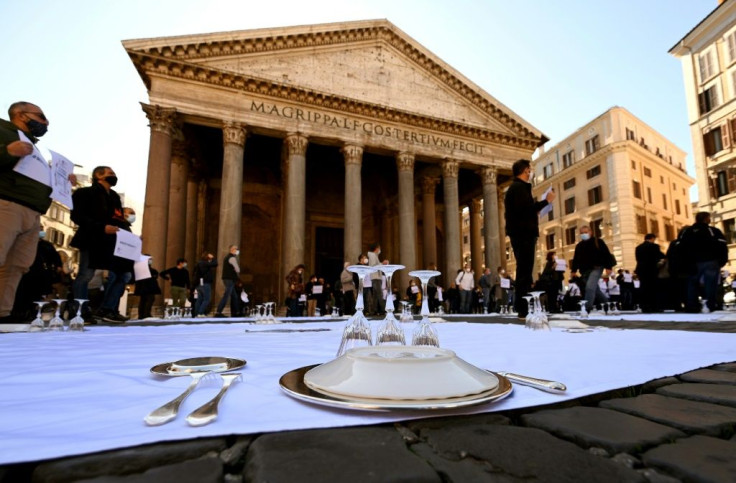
204 276
522 227
591 258
648 258
230 274
705 251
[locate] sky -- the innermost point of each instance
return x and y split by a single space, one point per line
557 64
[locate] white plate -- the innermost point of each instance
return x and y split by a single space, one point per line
185 367
292 383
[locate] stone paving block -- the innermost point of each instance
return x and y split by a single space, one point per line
372 454
730 366
710 393
417 425
203 470
125 461
652 386
709 376
511 453
236 452
688 416
698 458
615 431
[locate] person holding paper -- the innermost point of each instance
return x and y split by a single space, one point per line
522 227
22 200
119 275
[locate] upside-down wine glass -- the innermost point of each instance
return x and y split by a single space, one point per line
38 325
389 332
77 322
57 323
424 333
541 322
583 310
357 332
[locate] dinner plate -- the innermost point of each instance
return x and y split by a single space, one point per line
292 383
185 367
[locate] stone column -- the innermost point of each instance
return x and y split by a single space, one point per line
353 234
453 248
429 221
295 194
176 232
156 205
190 238
231 197
476 243
407 218
501 232
491 228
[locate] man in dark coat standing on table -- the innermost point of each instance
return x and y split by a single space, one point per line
522 227
648 261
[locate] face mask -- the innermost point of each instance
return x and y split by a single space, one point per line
42 234
150 262
378 252
183 265
584 236
111 180
130 219
237 252
37 129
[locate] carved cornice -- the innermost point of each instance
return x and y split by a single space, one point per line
450 168
160 119
405 161
233 133
476 206
429 184
296 144
353 154
488 175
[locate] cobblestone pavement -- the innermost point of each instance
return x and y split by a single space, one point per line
673 429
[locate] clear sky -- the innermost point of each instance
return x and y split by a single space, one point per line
556 63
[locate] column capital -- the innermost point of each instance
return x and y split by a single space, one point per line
450 168
233 133
296 144
489 175
405 161
353 154
476 206
160 119
429 184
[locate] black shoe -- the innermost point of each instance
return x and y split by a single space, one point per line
114 318
220 315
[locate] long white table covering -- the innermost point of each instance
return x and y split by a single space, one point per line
70 393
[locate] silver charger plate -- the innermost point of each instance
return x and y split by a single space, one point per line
184 367
292 383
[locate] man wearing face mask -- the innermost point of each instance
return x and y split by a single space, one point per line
591 258
22 201
98 213
179 277
230 274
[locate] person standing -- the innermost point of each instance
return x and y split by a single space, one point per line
146 290
119 271
230 274
648 259
179 277
486 283
465 282
705 251
552 282
348 290
378 303
22 201
296 288
204 277
591 258
522 227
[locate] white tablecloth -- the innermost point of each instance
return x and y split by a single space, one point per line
70 393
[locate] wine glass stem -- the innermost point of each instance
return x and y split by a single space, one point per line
425 304
389 294
359 303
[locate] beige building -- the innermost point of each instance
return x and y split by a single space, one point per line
305 144
708 56
617 175
59 231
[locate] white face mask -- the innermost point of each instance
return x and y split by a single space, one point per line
183 265
130 219
237 252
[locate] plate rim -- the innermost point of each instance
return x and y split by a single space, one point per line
292 383
162 369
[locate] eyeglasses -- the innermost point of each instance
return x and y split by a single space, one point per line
39 114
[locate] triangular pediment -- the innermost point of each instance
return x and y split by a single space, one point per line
369 62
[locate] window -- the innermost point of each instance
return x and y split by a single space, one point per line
633 164
593 172
547 171
729 230
647 172
551 215
686 210
708 99
705 62
731 46
567 159
595 196
592 145
677 207
661 180
669 231
508 252
570 205
664 201
641 224
630 135
465 239
550 241
722 184
596 226
713 141
654 224
637 189
643 143
571 235
649 194
570 183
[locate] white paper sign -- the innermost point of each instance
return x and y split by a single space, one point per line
316 289
244 297
560 265
127 245
637 284
34 165
547 208
414 289
439 294
140 268
628 278
61 168
505 283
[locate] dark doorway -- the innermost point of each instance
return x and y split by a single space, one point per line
328 253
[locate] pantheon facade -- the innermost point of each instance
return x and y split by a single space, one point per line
306 144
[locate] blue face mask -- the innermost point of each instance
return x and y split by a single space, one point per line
585 236
42 234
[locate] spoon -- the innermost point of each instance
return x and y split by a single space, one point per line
553 387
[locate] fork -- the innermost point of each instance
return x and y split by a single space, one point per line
168 411
207 413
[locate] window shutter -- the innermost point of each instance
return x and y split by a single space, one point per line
725 137
708 144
